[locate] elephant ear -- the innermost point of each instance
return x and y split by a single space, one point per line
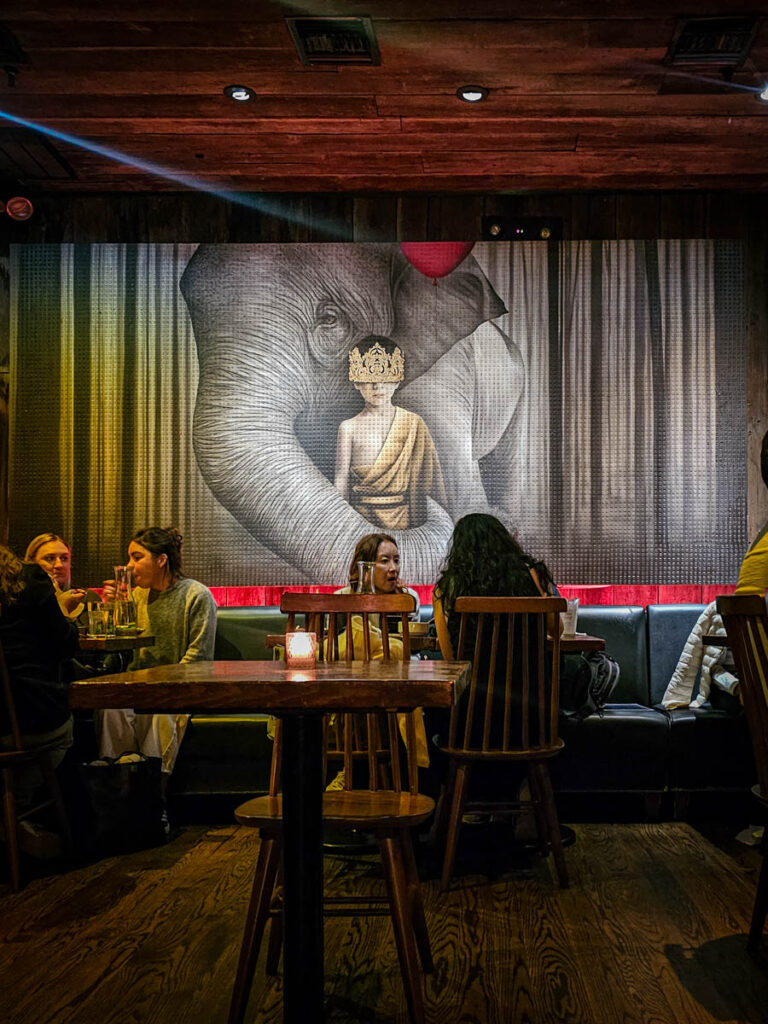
462 301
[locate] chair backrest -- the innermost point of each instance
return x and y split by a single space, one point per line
745 618
7 702
511 704
329 615
361 743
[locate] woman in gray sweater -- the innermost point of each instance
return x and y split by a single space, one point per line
180 614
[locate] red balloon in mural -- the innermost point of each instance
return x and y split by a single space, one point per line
436 259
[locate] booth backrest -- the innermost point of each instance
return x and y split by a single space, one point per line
623 628
241 633
669 626
647 643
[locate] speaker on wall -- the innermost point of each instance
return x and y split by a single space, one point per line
522 229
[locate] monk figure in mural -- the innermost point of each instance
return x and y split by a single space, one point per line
386 462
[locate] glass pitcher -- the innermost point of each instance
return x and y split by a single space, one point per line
124 606
365 583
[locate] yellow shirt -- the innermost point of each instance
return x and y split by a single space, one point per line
753 575
396 653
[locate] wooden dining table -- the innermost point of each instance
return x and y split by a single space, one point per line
300 698
114 643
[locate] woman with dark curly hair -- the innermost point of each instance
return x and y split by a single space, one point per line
484 560
35 638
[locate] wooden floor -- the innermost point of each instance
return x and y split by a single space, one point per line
652 930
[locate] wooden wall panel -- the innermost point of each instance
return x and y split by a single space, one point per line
412 218
375 219
682 215
459 217
637 215
730 214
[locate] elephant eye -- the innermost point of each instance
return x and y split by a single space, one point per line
330 316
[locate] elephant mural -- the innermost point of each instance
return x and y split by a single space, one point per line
274 325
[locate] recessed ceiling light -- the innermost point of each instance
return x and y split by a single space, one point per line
239 93
472 93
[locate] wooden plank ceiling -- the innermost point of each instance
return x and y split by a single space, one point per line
579 98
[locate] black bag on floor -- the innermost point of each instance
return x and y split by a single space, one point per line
126 801
586 684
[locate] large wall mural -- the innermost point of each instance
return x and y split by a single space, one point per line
278 401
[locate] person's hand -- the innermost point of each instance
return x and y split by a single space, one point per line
110 589
70 599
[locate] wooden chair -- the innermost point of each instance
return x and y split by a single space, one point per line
10 760
509 713
746 622
387 806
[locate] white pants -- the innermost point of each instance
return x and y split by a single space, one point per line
121 730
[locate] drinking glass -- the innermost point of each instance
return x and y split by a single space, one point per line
124 606
125 617
123 582
569 617
95 619
365 584
108 616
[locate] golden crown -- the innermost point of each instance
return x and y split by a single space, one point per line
376 366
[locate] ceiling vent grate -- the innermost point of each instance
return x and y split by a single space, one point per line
334 40
715 42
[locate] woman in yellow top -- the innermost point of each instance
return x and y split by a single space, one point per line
381 549
753 575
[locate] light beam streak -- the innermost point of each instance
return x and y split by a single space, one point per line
252 202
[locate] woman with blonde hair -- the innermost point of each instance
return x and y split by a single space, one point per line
54 556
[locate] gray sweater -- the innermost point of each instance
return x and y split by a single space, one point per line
183 621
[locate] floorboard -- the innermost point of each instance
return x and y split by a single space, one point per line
653 929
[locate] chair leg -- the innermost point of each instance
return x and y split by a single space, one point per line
52 781
760 909
457 800
419 917
401 907
537 799
275 942
258 910
540 771
11 830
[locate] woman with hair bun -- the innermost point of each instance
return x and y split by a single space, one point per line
180 614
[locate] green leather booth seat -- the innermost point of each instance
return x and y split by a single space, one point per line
626 748
228 753
710 746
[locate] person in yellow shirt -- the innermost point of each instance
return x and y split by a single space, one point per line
381 549
753 575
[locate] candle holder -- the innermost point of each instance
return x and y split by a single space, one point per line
300 649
